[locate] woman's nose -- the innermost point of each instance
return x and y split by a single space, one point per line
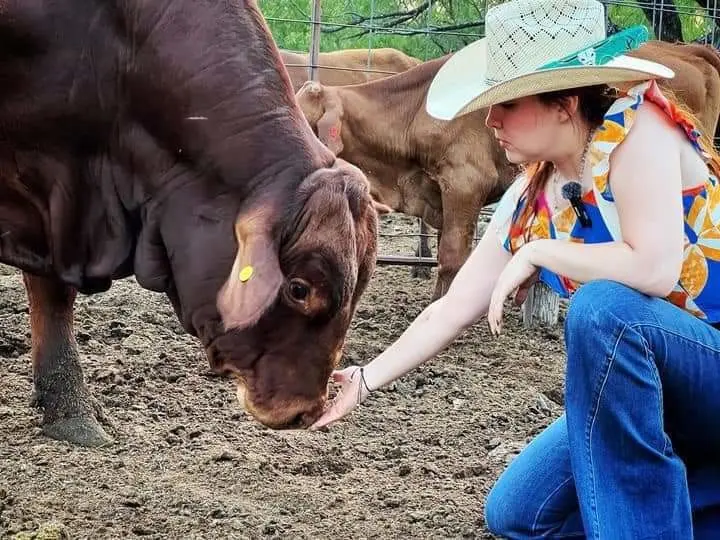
492 120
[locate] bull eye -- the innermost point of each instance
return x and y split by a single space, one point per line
299 290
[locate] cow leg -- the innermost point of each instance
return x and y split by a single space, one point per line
68 408
422 250
460 215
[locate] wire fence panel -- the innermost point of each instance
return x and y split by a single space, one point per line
430 28
427 29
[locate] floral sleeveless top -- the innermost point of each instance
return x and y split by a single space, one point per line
698 290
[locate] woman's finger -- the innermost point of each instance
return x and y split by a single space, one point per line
331 414
340 376
341 405
327 418
344 375
491 319
344 401
495 314
490 315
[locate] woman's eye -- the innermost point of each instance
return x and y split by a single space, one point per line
299 290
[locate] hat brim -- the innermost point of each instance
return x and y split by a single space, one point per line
460 86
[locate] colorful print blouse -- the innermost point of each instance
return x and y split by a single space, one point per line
698 290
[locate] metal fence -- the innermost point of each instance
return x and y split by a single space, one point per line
326 24
429 29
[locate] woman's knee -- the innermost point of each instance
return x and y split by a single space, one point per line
502 515
600 309
510 513
600 300
535 493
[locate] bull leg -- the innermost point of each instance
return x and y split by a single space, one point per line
68 408
422 250
460 215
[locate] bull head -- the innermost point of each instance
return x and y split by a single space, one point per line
297 264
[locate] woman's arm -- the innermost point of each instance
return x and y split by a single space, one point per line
465 302
441 322
646 183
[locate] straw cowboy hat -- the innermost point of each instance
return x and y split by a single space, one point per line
536 46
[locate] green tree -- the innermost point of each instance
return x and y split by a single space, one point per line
430 28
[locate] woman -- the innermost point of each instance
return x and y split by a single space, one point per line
637 452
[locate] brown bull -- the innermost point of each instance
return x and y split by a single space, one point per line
697 77
128 147
349 66
444 172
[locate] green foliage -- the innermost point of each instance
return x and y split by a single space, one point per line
694 19
360 24
430 28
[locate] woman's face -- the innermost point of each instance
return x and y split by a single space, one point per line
528 129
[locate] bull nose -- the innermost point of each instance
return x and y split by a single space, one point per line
302 420
299 420
299 415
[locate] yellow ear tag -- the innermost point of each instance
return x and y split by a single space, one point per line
246 273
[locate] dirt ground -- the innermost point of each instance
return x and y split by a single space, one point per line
416 460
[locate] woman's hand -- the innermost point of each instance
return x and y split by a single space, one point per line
519 274
353 391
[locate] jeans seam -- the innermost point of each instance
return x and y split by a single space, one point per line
533 529
700 344
591 424
655 373
598 395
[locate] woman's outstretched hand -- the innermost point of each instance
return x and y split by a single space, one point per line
353 391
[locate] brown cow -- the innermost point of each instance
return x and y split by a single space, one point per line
444 172
128 148
697 76
349 66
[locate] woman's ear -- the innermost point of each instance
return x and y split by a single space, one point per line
567 108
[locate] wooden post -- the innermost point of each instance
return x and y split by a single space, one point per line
542 306
315 40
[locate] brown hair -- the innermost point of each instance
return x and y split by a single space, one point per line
593 103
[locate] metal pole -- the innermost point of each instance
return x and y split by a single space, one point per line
315 40
402 260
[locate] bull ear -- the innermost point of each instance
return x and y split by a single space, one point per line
313 88
255 277
330 124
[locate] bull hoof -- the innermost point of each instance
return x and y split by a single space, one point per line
421 272
80 430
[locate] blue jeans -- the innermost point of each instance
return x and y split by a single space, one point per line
637 453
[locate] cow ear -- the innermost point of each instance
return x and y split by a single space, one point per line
255 277
330 124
